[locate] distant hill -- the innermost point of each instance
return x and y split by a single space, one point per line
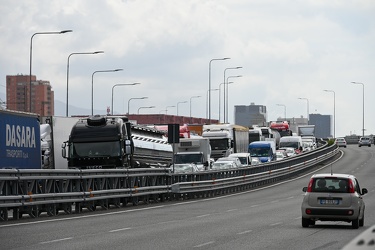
60 110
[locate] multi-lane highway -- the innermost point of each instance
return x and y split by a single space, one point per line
268 218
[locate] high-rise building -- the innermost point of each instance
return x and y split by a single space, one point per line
18 95
250 115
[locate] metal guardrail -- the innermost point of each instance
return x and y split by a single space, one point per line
33 192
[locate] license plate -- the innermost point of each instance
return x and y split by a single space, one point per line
329 202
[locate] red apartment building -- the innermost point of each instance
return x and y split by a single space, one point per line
18 95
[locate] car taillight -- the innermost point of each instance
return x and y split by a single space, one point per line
351 186
309 187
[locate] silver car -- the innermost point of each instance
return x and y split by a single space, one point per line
333 197
226 163
364 141
341 142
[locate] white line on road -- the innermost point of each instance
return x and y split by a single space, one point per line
275 224
120 229
203 215
231 210
52 241
204 244
245 232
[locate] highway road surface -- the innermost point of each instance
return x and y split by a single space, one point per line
267 218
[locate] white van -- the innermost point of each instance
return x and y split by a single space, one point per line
291 141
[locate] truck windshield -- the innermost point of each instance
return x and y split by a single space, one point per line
218 144
259 152
95 149
289 144
188 158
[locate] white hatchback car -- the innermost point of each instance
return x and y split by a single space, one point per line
341 142
226 163
333 197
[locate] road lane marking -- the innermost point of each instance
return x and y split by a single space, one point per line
231 210
120 229
203 215
53 241
275 224
245 232
204 244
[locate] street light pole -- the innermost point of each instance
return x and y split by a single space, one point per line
121 84
149 107
92 85
209 94
334 111
308 113
197 96
209 85
67 75
220 98
226 113
166 108
284 110
179 103
363 106
135 98
31 53
225 95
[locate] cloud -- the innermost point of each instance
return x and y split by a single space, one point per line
287 49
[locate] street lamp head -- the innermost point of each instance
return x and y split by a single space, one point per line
98 52
226 58
65 31
118 69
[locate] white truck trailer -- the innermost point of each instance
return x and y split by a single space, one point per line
226 139
195 150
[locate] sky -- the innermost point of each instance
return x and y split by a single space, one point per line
288 49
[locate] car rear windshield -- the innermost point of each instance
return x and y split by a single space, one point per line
335 185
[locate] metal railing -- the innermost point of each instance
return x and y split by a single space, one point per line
34 192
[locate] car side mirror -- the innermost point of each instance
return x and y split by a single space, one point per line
364 191
304 189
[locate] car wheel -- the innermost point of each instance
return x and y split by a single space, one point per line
362 221
305 222
355 223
